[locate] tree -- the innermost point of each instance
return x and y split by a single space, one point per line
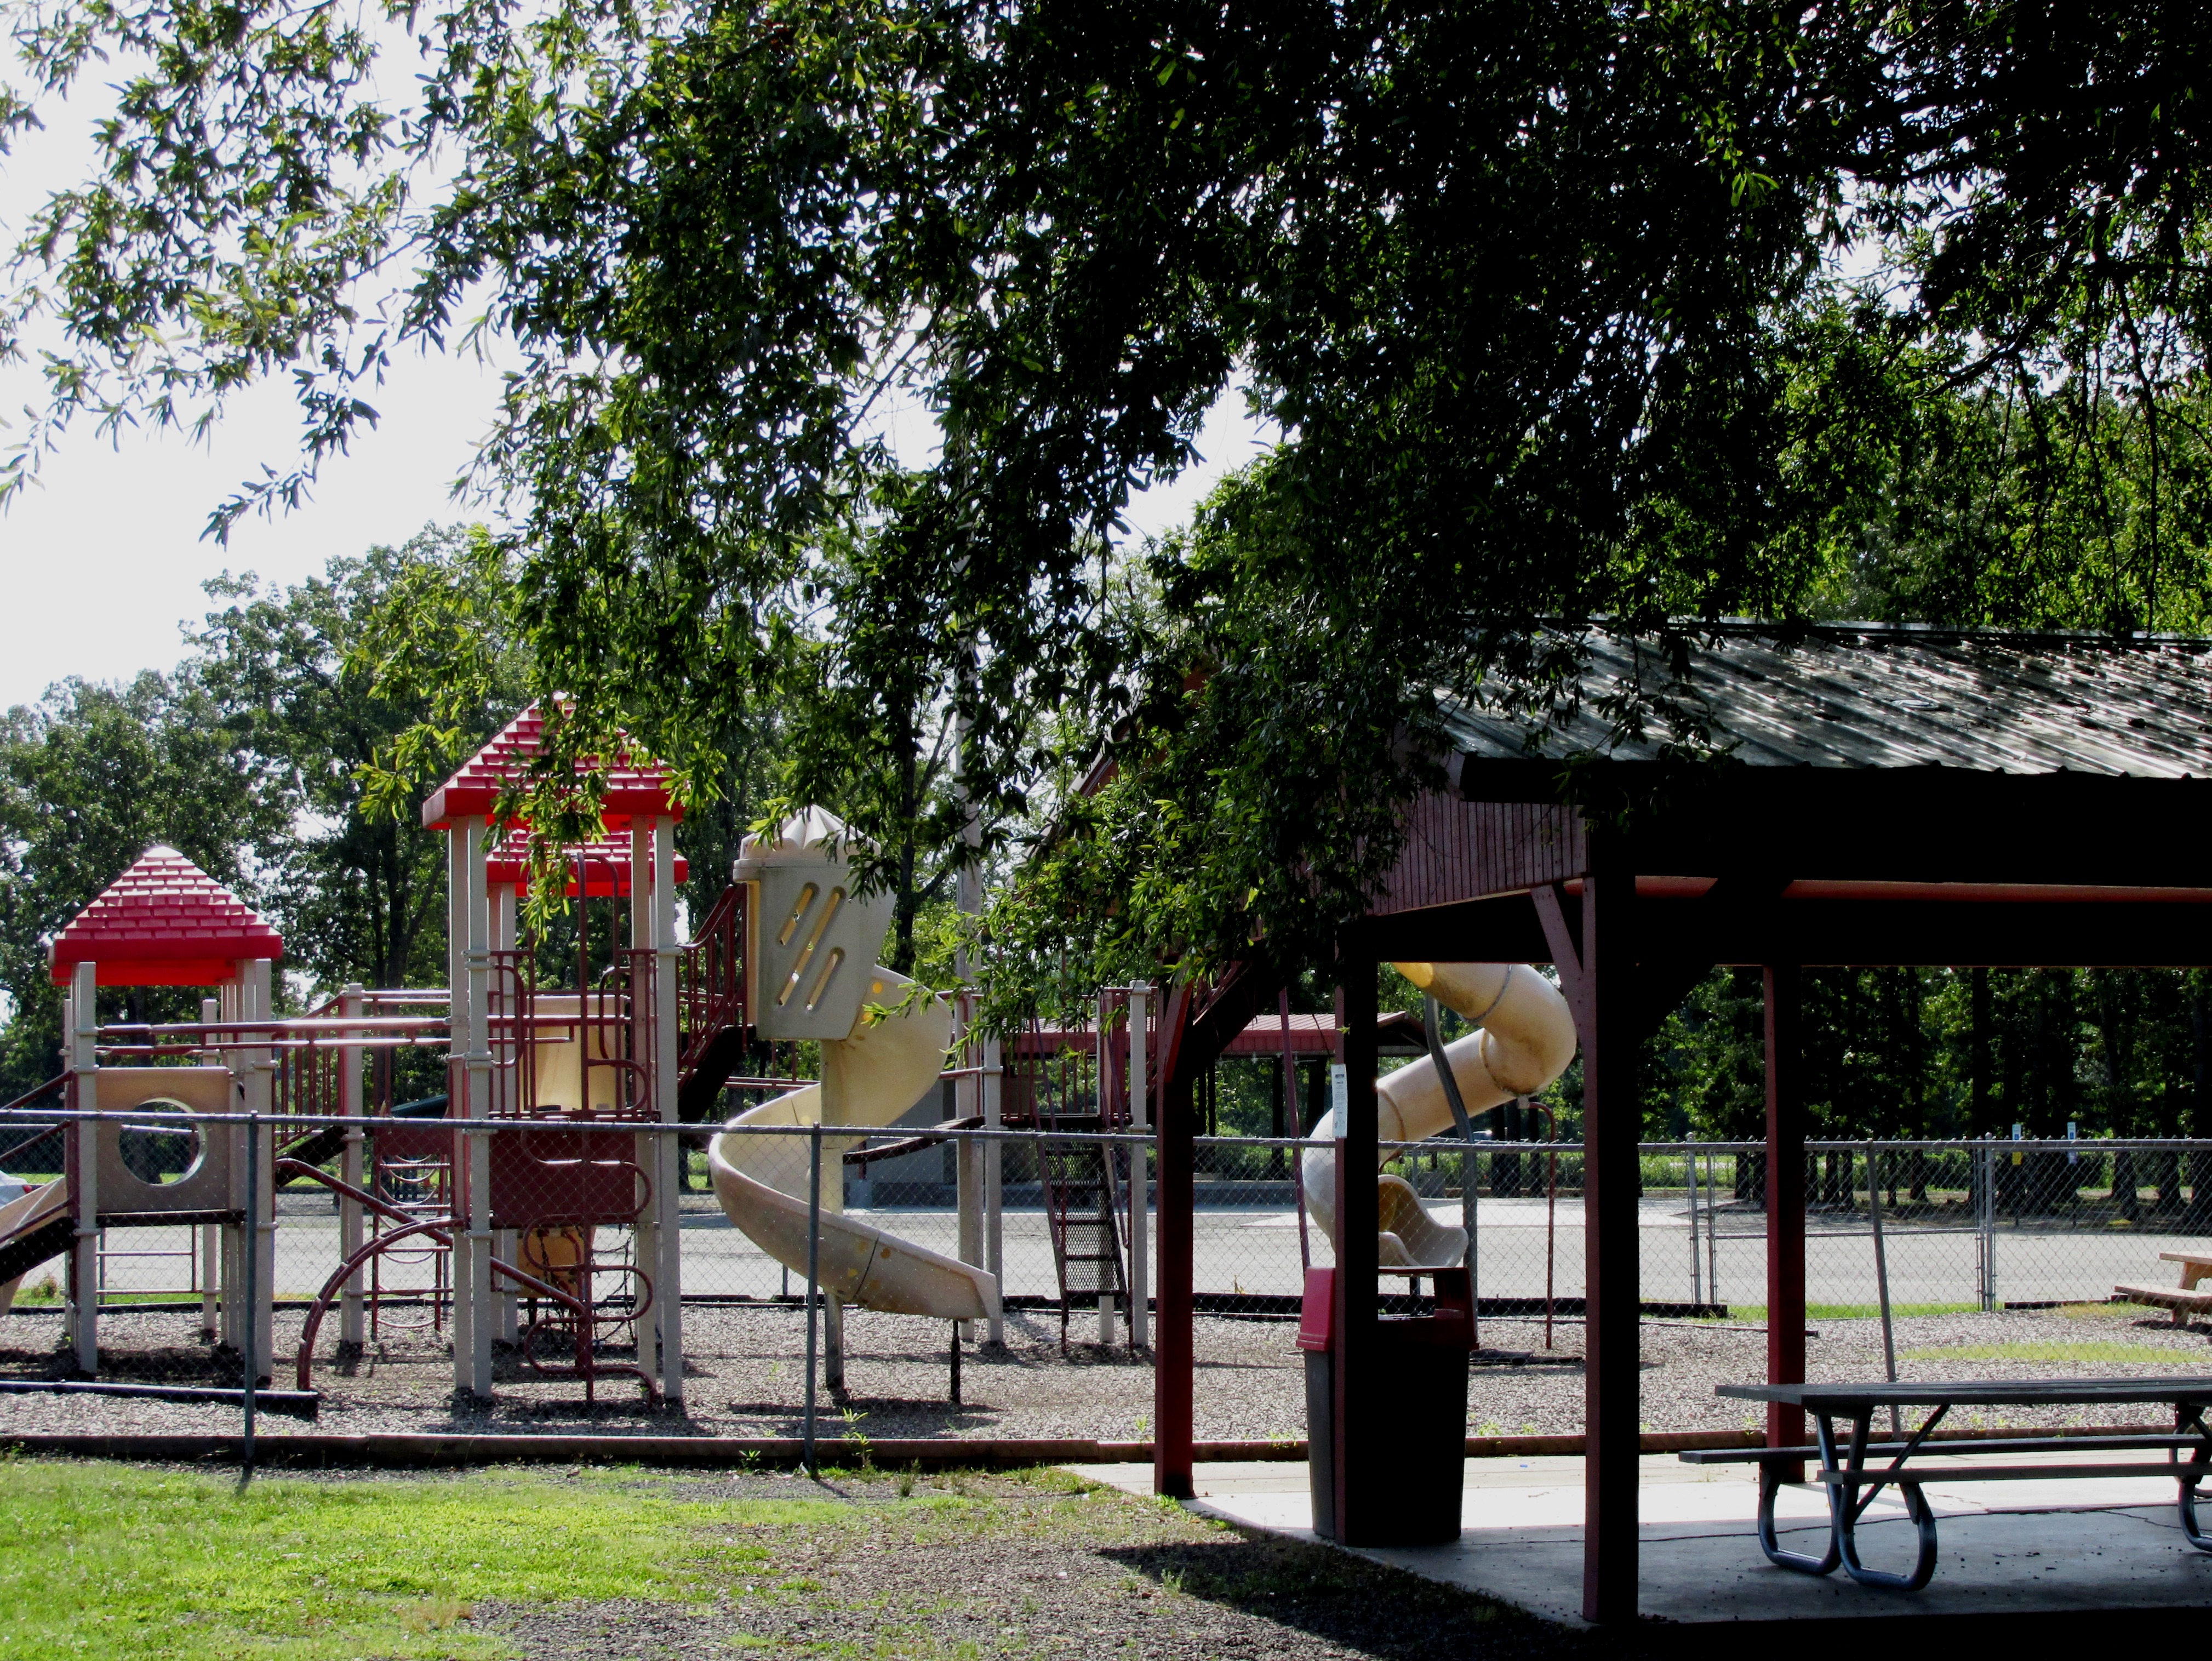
91 776
358 888
1523 282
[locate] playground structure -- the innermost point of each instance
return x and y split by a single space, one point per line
529 1206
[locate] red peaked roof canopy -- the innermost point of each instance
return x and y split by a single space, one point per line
164 922
606 864
637 786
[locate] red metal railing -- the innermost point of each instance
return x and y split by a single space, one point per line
710 980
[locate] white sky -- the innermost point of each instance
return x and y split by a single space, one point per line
101 561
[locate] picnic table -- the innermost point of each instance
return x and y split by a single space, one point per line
2185 1299
1852 1483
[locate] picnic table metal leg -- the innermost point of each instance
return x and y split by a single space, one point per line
1845 1504
2190 1473
1770 1484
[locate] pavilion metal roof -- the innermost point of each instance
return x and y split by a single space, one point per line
1858 694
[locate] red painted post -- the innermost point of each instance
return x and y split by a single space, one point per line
1785 1209
1612 1121
1362 1415
1172 1347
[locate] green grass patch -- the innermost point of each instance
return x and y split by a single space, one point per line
2093 1350
116 1561
1852 1311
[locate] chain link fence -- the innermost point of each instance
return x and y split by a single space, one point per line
603 1240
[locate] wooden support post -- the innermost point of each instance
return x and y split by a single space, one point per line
1360 1409
1140 1181
1596 965
1612 1119
1173 1420
1785 1208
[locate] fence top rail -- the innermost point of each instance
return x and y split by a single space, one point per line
53 1116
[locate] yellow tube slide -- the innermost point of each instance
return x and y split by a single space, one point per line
870 1077
1524 1040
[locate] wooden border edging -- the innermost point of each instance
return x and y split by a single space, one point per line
403 1450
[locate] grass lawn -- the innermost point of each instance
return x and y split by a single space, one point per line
1849 1311
115 1561
2087 1350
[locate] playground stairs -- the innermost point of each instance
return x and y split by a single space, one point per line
1081 1193
710 1019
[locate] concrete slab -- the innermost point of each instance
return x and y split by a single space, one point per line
2015 1548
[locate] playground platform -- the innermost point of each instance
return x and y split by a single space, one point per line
2061 1548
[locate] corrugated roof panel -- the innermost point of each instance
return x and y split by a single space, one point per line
163 910
1875 696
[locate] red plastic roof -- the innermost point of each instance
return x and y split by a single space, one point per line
164 922
637 786
606 864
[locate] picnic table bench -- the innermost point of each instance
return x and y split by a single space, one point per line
1853 1484
2185 1301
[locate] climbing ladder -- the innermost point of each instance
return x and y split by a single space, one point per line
1082 1195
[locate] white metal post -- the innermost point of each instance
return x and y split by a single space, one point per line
481 1316
210 1234
231 1003
968 1154
994 1244
84 1262
260 1324
669 1305
643 1047
1140 1176
460 1043
1106 1154
351 1003
517 1055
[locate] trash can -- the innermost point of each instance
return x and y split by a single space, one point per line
1407 1493
1316 1321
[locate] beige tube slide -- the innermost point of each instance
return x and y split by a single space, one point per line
869 1077
1526 1039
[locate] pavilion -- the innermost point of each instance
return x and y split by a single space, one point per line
1886 796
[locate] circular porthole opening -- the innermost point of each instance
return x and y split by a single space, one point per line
158 1144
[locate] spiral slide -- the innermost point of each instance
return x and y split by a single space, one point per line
873 1075
1524 1040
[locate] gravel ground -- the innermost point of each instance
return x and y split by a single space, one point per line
746 1375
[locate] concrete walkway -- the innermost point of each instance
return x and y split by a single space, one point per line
2014 1548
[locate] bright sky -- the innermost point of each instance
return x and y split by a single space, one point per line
102 560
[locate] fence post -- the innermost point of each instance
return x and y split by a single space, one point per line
252 1330
1987 1155
1690 1181
994 1238
813 1274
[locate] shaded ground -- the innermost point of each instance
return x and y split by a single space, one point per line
1041 1572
